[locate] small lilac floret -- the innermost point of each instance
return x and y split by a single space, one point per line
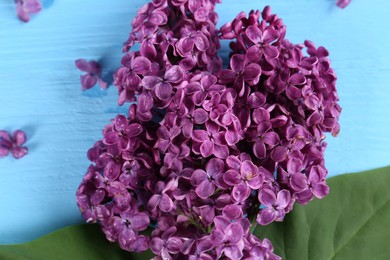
93 74
26 7
13 144
343 3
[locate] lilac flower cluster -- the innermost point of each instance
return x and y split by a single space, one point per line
207 153
26 7
13 144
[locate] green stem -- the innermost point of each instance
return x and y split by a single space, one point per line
253 228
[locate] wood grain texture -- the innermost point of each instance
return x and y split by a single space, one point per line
40 93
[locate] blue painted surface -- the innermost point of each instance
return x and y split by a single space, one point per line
40 93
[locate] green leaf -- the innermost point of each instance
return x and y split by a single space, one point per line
352 222
82 242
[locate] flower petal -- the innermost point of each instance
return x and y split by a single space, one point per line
19 137
314 119
294 165
234 233
201 14
134 130
252 72
19 152
343 3
215 166
271 52
87 81
204 244
200 135
22 13
237 62
4 135
271 138
261 115
207 148
227 76
156 245
292 92
217 236
166 203
248 170
259 149
154 202
112 170
254 54
298 181
145 102
270 35
110 138
140 244
231 137
241 192
221 151
221 223
254 34
316 174
125 237
283 199
232 212
149 82
233 252
320 190
174 74
256 182
201 42
267 197
232 177
198 176
158 18
140 221
148 50
185 45
279 153
174 245
297 79
33 6
83 65
200 116
256 100
205 189
163 90
141 65
266 216
4 151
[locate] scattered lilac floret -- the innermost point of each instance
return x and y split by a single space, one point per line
26 7
93 76
343 3
13 144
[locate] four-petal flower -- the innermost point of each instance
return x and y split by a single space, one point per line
93 70
13 144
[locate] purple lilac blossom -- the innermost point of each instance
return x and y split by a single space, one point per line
343 3
207 152
93 74
26 7
13 144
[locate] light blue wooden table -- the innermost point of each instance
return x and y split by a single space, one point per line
40 93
